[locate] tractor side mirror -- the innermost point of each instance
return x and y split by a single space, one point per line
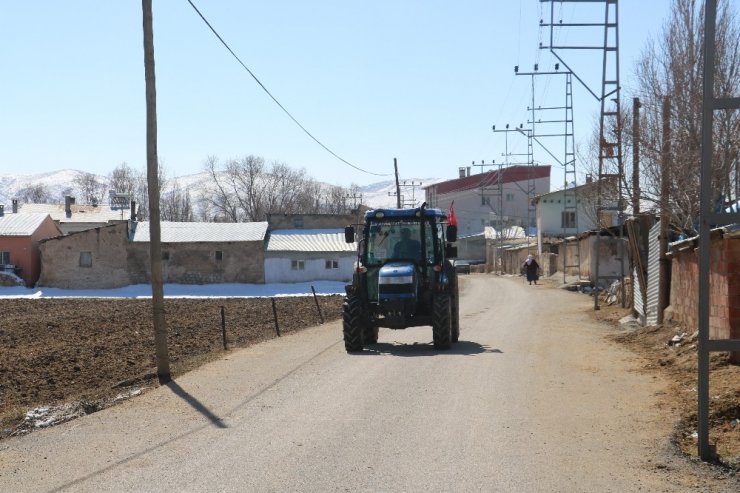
349 234
450 251
452 233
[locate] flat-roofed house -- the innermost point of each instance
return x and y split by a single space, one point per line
192 253
303 255
72 217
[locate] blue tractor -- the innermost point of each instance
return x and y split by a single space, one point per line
403 277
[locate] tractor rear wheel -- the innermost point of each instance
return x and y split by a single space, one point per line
442 321
370 334
455 307
352 325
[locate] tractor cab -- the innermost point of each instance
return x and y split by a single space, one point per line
402 268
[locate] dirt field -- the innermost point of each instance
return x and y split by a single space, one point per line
87 353
679 363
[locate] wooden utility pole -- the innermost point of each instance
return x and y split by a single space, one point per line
152 172
636 105
636 203
665 166
398 185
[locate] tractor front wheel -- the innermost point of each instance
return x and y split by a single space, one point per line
442 322
352 325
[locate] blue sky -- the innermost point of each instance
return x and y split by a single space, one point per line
422 81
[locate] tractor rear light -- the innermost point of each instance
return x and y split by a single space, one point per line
437 268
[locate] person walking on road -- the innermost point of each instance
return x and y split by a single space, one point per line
531 268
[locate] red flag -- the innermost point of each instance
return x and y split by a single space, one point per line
451 218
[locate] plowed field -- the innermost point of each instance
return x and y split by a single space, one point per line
55 351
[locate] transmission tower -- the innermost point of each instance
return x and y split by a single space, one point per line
413 185
551 128
711 102
610 132
530 191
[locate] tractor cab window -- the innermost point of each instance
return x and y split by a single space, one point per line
398 240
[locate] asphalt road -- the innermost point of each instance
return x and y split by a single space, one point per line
533 398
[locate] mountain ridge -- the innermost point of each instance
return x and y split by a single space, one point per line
62 182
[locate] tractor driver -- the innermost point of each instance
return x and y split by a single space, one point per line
407 247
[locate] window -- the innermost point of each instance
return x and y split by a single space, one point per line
485 200
509 197
165 255
298 222
332 264
85 259
219 255
568 219
297 265
4 258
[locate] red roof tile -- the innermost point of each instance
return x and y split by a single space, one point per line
490 178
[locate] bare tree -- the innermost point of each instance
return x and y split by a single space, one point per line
220 195
91 187
35 194
672 66
247 189
176 204
128 180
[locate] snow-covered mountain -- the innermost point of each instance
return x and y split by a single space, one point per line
61 183
383 193
58 184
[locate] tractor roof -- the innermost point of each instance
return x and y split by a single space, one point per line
403 213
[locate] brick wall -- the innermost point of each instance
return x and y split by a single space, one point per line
724 289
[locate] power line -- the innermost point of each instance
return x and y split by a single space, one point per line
275 99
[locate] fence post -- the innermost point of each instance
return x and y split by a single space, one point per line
321 316
223 326
274 313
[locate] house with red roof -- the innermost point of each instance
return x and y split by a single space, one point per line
499 198
20 236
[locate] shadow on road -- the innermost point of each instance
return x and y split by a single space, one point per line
465 348
196 404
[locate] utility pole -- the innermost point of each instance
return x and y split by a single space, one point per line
398 185
665 165
411 202
155 250
636 279
636 105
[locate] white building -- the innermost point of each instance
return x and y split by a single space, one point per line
558 218
304 255
477 200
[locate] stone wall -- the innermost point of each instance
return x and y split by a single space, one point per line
107 246
116 262
312 221
199 263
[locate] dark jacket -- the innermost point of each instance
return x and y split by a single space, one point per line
532 270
